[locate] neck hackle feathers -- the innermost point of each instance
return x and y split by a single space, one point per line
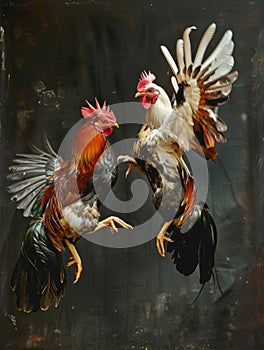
89 143
144 80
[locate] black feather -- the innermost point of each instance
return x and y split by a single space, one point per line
208 234
195 247
180 95
39 276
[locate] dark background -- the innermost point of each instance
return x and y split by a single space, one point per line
56 54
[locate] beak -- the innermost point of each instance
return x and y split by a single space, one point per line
116 125
138 94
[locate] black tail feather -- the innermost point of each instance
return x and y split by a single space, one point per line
208 244
195 247
39 276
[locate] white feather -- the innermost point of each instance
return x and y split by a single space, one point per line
220 124
179 126
224 69
223 85
169 59
217 51
187 47
207 37
180 58
223 55
174 84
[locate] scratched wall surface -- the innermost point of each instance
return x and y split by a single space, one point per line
56 54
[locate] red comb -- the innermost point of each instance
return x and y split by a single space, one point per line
144 80
91 111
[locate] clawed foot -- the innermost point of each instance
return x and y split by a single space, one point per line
112 221
161 237
160 243
127 159
78 268
74 260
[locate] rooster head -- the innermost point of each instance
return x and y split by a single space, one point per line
147 90
102 118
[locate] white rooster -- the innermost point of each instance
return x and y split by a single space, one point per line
171 129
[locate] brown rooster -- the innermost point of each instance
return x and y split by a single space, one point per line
60 197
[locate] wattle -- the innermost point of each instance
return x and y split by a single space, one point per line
146 102
108 131
154 100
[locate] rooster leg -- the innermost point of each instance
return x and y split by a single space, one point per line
127 159
74 260
111 222
161 237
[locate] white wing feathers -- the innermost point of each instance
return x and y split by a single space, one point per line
172 65
180 56
207 37
200 86
187 47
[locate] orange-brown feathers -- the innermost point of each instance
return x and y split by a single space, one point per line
189 197
88 146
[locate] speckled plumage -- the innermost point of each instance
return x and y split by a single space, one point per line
191 121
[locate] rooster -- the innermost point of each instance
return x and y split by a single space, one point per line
60 197
172 129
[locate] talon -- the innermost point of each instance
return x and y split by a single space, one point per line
161 237
78 269
112 221
74 260
70 262
160 244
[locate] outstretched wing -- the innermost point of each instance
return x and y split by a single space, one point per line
200 86
31 173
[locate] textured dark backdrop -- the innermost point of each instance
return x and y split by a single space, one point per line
55 54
